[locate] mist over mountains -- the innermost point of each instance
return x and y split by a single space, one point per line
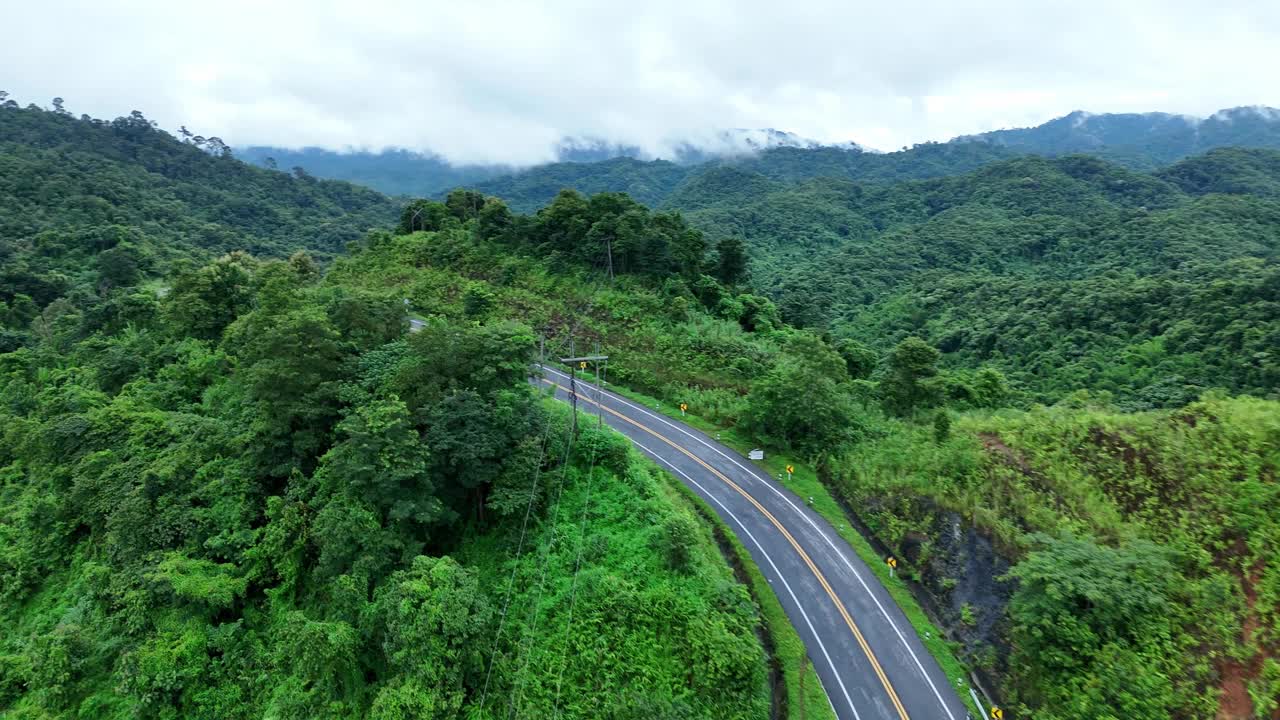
405 172
1136 140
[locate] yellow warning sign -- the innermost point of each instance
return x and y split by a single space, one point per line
582 365
997 714
891 562
791 469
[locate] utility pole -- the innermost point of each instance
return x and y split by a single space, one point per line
580 363
599 387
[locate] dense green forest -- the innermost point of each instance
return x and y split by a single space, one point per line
237 486
1064 273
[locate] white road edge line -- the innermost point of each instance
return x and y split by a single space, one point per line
778 572
754 473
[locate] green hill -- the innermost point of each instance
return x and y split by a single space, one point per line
237 487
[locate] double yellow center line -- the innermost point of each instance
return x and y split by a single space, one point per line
822 580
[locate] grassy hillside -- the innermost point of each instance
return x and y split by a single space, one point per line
1147 541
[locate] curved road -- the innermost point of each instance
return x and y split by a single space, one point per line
871 662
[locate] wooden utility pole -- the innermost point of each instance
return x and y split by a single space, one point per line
580 363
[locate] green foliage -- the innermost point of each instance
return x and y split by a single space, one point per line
802 403
1142 597
941 426
676 542
908 381
731 261
260 497
1097 623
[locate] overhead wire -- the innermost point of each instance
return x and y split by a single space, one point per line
577 564
578 314
524 525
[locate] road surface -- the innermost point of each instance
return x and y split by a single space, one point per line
871 662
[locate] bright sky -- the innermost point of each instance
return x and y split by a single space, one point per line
482 81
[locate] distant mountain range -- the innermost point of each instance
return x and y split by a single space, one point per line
1142 140
406 172
1137 140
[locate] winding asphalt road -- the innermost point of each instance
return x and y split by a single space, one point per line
871 661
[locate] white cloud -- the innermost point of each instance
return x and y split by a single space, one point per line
495 81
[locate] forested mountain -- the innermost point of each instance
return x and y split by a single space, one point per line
394 172
1142 140
1066 273
402 172
61 172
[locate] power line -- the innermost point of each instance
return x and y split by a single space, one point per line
577 564
534 610
528 509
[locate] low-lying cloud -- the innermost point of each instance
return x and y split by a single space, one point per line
504 82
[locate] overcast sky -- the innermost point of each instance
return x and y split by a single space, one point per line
488 81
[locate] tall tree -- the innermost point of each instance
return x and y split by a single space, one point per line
908 383
731 261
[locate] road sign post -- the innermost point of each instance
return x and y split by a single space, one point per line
892 562
683 407
790 469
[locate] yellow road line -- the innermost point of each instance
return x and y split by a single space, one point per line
822 580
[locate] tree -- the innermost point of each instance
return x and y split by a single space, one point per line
688 251
1092 627
426 215
859 359
495 219
378 477
443 357
432 619
803 403
203 302
464 204
907 386
990 388
118 267
476 301
731 261
58 106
